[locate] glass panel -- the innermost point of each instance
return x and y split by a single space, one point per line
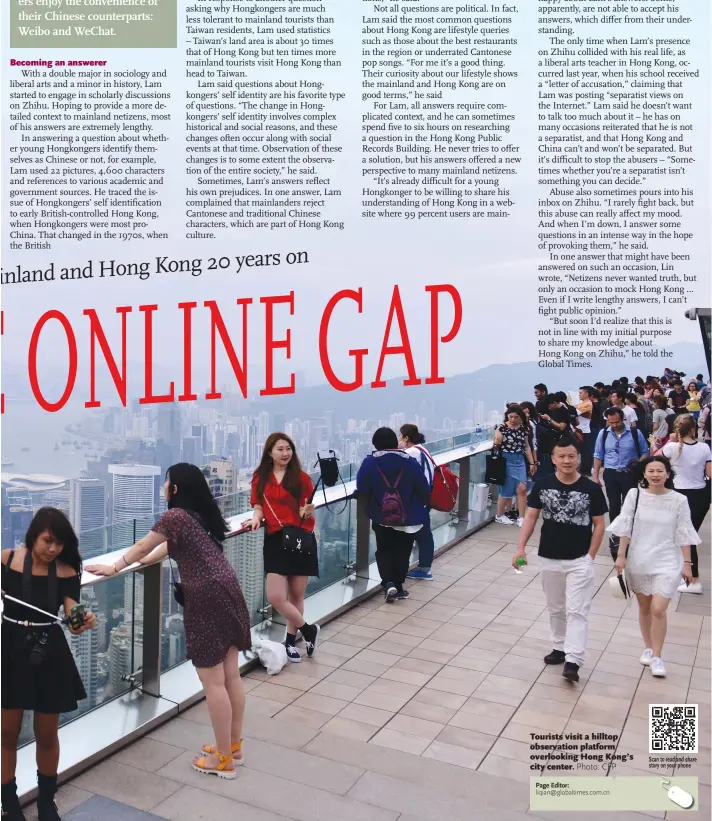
104 656
333 532
244 553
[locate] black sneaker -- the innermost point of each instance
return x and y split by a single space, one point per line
390 592
311 639
402 595
570 671
293 654
555 657
512 514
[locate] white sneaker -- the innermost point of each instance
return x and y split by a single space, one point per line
694 587
647 657
503 520
657 668
520 521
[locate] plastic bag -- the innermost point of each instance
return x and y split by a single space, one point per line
272 655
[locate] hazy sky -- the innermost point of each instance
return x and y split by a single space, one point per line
492 263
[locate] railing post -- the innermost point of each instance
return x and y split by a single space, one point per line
363 538
152 628
463 502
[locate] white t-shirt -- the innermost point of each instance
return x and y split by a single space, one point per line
631 417
689 465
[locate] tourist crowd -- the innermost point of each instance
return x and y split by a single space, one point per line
646 443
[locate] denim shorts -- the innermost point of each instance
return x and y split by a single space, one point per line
516 473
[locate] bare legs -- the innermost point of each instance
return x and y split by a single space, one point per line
46 727
11 726
522 499
225 695
286 595
297 586
653 621
236 693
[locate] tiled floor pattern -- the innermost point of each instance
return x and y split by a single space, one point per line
420 709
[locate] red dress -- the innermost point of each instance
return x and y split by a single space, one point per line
281 508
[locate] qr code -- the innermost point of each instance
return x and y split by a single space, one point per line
673 728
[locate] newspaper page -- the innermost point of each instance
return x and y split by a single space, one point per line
366 226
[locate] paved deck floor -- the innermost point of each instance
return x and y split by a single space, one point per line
420 709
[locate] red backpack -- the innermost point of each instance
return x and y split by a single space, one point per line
446 486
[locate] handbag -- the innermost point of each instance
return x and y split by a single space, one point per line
619 584
495 467
178 593
295 539
446 486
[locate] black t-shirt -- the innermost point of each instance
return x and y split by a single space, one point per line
567 511
547 435
679 400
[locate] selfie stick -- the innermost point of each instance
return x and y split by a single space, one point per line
32 607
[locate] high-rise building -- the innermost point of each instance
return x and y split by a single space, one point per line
125 656
87 513
193 450
168 423
222 477
396 421
244 553
135 494
85 649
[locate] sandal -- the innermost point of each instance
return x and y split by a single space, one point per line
222 770
236 749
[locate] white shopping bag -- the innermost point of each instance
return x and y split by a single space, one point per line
272 655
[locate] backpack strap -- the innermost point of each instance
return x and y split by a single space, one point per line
388 484
422 450
51 582
636 442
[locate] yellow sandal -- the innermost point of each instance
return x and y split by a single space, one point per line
236 749
222 770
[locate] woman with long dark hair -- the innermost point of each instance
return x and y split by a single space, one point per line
690 459
512 437
281 495
656 534
38 670
216 620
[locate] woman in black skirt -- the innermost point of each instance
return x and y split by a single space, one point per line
38 669
281 494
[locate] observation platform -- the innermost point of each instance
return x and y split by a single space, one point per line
421 709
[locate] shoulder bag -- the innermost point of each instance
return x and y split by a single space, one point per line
619 584
295 539
445 489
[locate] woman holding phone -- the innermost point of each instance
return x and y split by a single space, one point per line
39 673
281 496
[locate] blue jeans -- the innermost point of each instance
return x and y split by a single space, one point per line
426 545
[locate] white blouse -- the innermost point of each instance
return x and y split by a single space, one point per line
660 527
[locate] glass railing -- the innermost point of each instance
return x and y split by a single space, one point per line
110 658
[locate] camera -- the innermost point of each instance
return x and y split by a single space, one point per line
36 645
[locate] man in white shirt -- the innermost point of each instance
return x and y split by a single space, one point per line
629 415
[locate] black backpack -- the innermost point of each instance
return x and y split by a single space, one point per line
636 442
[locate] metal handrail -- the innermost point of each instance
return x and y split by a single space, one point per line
340 492
158 695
